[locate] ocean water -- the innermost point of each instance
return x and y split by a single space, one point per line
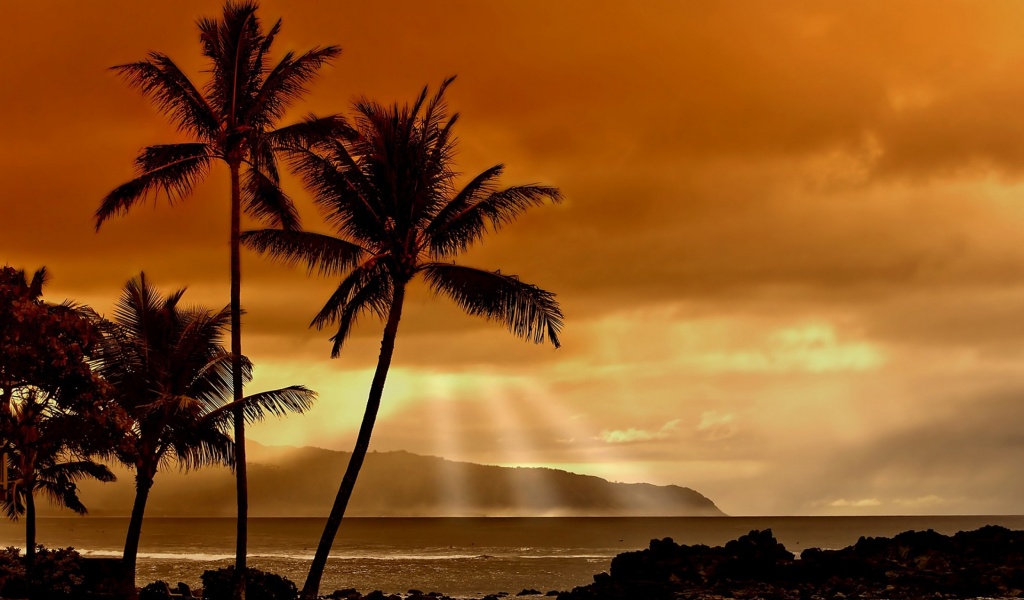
461 557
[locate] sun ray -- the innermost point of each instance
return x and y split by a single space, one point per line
447 444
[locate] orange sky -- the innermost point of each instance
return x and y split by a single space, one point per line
789 256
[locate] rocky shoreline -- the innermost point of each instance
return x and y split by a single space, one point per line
985 563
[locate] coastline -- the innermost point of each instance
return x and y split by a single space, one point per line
462 557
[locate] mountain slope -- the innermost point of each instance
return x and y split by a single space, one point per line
301 482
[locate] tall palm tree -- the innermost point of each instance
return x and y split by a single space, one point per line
232 120
173 378
387 187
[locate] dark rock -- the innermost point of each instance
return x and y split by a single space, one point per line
529 592
988 562
346 594
375 595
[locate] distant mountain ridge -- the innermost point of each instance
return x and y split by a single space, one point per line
302 482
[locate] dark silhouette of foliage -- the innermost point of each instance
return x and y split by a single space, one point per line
172 377
54 412
259 585
233 119
388 188
58 574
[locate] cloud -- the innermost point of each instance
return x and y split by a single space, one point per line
929 502
632 435
717 426
864 502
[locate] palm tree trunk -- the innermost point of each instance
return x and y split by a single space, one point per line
30 538
241 474
143 483
348 482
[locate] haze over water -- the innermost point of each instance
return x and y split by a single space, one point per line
456 556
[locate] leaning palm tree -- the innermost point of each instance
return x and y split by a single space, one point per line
173 379
388 188
231 120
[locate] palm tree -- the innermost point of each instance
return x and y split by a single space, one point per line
46 459
387 187
173 378
232 120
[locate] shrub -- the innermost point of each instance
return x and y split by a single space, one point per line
12 573
57 573
158 590
219 585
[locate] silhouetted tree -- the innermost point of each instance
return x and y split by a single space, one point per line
173 378
45 456
54 412
388 189
231 119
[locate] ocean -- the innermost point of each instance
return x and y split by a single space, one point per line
461 557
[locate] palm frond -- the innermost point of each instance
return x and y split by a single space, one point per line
348 201
436 132
437 109
174 94
264 199
286 83
360 277
76 470
39 279
481 186
375 297
499 208
174 169
324 254
212 383
143 311
233 44
526 310
13 504
204 447
268 41
309 132
65 497
57 480
256 407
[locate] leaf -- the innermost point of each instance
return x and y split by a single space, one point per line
526 310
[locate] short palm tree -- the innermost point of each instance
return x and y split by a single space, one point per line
52 467
388 188
46 457
232 120
173 379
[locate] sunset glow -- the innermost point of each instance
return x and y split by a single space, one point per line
789 254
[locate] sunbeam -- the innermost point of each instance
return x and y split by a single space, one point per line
441 395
